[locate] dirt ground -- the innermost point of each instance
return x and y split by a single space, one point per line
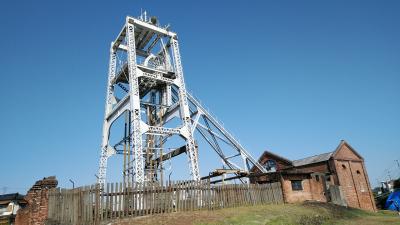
186 218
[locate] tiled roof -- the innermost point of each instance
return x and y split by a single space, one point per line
13 196
313 159
309 160
274 156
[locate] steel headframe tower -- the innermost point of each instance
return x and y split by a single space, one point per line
150 78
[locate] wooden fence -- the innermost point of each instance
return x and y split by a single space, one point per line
92 204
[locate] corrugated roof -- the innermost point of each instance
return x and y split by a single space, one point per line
312 159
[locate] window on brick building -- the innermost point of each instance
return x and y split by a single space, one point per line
328 178
270 165
297 185
360 181
343 166
317 178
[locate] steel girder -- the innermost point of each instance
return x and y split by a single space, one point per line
105 153
175 100
223 135
132 101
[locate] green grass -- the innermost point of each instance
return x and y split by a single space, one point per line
288 214
305 214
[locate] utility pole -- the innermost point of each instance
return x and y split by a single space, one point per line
398 164
73 183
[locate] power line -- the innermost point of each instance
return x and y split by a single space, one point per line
392 171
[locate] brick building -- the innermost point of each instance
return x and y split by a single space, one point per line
338 176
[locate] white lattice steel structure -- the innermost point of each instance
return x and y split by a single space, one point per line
154 93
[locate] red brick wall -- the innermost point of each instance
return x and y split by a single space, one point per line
35 213
22 217
362 186
346 153
346 181
272 177
312 189
321 167
317 188
352 176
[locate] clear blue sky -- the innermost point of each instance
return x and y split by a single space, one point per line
294 77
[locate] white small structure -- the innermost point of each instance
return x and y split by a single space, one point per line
9 205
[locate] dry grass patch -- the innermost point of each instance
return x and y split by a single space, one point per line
295 214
